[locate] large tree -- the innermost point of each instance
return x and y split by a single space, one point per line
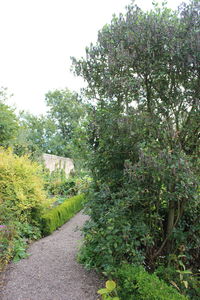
144 75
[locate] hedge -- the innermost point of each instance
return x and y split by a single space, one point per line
59 215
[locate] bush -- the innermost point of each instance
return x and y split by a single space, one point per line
111 235
135 223
59 215
183 279
58 184
54 181
22 199
21 188
135 283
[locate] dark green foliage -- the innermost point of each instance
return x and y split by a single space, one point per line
142 141
114 236
135 283
132 224
164 188
59 215
145 88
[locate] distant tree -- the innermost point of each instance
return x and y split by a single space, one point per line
53 133
37 135
8 120
66 111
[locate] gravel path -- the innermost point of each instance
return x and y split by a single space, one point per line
51 271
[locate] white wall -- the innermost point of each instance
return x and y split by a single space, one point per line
53 162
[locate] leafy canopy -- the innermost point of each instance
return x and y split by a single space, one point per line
143 75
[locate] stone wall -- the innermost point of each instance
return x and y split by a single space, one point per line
53 162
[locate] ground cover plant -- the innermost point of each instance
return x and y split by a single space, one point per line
142 144
135 283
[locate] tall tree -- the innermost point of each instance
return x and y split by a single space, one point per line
144 75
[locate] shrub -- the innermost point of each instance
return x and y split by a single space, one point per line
183 279
135 283
22 199
56 183
21 188
111 235
59 215
135 223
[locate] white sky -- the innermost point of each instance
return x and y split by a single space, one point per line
37 38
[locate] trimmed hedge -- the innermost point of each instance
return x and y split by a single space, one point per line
59 215
136 283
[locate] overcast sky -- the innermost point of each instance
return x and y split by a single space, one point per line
37 38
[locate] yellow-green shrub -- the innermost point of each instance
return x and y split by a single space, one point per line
59 215
22 200
21 188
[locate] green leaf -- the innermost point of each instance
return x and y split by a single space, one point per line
110 285
102 291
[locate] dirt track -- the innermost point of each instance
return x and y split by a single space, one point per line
51 271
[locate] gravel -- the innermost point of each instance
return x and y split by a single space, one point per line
51 272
